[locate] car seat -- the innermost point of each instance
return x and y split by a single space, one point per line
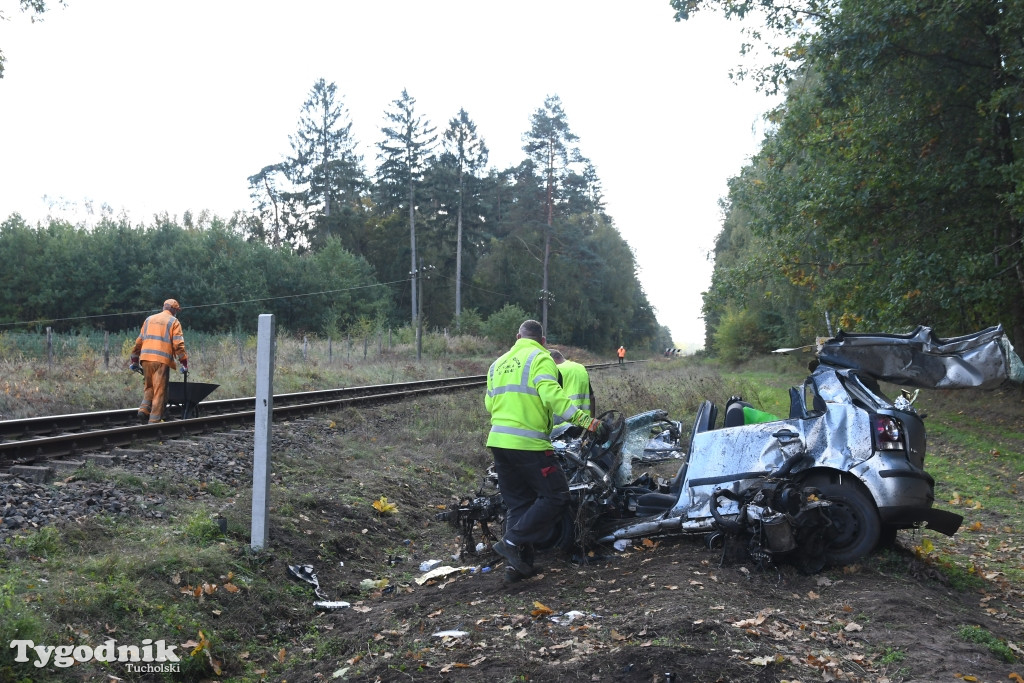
734 412
655 503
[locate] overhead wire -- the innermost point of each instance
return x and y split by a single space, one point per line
198 306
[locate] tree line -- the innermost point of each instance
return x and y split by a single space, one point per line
889 191
433 237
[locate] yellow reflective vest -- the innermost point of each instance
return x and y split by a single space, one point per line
161 340
576 382
522 395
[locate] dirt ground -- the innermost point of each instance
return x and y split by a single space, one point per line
663 610
669 611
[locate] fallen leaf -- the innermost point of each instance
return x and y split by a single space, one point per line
541 610
745 623
382 506
280 655
852 627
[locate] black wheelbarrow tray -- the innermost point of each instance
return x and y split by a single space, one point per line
187 395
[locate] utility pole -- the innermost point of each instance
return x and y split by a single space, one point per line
420 275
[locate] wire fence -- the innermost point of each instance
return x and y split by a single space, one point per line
115 348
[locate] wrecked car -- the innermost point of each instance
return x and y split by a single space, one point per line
825 485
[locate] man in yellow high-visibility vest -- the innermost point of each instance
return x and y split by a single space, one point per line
575 379
522 396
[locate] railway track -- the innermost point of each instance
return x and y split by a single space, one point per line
29 440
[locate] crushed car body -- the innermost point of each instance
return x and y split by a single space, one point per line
825 485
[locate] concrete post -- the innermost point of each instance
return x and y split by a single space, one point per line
261 437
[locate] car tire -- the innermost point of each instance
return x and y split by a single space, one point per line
856 525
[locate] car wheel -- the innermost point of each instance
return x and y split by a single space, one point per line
856 527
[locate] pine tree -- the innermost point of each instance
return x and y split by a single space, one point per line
467 154
405 153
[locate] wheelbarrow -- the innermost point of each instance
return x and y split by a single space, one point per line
187 395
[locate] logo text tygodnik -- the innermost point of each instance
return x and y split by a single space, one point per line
109 651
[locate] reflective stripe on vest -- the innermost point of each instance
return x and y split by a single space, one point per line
524 380
157 340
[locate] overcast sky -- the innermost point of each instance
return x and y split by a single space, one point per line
151 107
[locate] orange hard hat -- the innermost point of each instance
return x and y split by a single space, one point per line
172 304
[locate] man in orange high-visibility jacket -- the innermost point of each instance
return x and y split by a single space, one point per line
622 354
160 343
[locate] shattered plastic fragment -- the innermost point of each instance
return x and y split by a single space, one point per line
305 572
622 544
440 572
427 565
450 634
331 604
571 616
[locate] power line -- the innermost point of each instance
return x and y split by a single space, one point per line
198 306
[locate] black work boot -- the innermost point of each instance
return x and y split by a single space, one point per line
513 557
511 576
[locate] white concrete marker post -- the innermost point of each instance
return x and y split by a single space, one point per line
265 341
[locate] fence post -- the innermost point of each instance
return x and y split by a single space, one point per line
330 351
305 348
241 344
49 347
106 349
262 430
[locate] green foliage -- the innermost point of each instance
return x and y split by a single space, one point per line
72 276
43 542
739 336
200 528
503 325
327 250
887 192
470 322
976 634
17 622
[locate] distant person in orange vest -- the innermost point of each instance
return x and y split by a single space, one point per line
159 344
622 354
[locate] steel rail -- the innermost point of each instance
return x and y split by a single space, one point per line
61 445
55 425
60 438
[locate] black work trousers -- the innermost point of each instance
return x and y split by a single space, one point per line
535 492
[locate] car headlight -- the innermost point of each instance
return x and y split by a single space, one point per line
887 432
